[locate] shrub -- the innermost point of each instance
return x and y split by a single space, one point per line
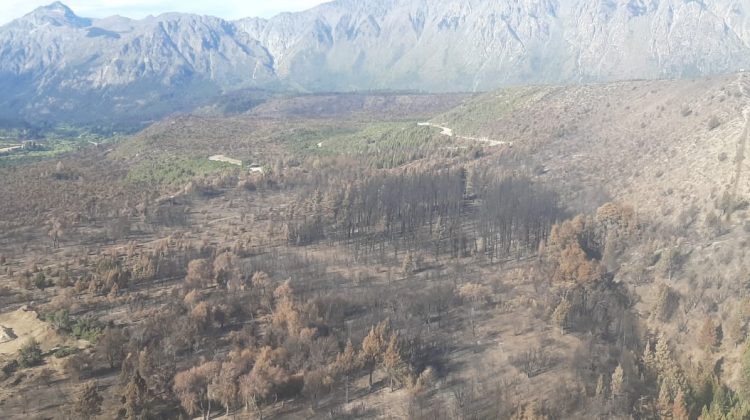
64 351
87 328
30 354
40 281
9 367
60 320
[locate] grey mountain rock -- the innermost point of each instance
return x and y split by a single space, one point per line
55 64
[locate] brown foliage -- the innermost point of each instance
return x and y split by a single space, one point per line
88 402
710 334
263 380
198 274
191 387
373 347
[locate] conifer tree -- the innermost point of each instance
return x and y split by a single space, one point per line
372 349
601 390
346 364
88 402
135 397
561 315
392 361
617 384
679 407
709 338
664 403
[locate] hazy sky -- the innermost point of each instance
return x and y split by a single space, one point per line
229 9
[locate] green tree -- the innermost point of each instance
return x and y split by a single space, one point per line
724 405
40 281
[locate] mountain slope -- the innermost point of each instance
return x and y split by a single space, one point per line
52 61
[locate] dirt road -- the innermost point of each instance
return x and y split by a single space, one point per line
449 133
10 149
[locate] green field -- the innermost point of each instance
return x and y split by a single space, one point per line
51 143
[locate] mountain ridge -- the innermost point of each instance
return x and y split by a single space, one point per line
53 62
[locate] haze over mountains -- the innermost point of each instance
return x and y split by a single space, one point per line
57 66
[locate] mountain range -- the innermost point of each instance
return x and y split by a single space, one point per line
58 66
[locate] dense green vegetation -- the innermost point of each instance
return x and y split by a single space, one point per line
470 117
165 170
383 145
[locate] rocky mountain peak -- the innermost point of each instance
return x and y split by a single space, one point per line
56 14
350 45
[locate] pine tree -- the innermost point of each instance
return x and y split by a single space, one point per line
88 402
407 266
392 361
709 335
372 348
649 359
561 314
736 328
346 364
285 316
679 408
135 397
663 355
664 404
601 390
665 302
618 382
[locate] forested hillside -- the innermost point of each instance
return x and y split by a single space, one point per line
537 252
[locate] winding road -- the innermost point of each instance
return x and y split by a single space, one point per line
10 149
446 131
